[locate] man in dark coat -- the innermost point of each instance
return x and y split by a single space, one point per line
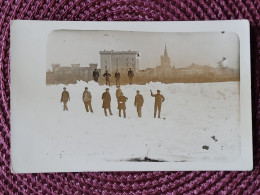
107 75
130 76
95 75
117 76
106 101
158 102
65 97
121 104
139 101
118 92
86 97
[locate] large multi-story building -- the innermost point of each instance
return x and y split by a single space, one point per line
119 60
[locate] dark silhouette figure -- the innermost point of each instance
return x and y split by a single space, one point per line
117 76
121 104
130 76
86 97
106 101
139 101
95 75
107 75
158 102
118 92
65 97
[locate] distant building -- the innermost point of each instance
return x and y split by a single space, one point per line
195 69
165 69
165 60
70 74
167 73
119 60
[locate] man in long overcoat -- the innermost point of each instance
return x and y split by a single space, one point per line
121 104
130 76
139 101
118 92
95 75
106 102
117 76
65 97
86 97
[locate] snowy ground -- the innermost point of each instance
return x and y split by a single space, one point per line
199 122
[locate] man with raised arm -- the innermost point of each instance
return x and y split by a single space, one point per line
159 99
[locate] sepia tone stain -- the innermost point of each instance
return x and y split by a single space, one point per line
214 138
205 147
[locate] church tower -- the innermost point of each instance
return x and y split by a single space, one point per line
165 60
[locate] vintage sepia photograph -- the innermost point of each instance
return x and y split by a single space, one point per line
178 92
136 97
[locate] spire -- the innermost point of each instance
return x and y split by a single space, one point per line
165 51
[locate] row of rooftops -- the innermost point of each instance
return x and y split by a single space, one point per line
118 52
73 66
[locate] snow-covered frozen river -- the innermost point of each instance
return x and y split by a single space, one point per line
199 122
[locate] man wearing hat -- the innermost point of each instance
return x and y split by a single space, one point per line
86 97
107 75
117 76
65 97
95 75
121 104
118 92
130 76
139 100
106 101
158 102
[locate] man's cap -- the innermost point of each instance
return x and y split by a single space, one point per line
158 90
107 89
86 88
137 91
64 87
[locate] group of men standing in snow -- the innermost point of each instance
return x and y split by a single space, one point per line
121 100
117 77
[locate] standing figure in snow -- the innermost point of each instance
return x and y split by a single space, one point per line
139 101
95 75
158 102
130 76
118 92
107 75
121 104
86 97
65 97
117 76
106 102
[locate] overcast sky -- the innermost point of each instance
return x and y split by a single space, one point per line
66 47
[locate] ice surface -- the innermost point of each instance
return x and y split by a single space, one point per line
193 116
